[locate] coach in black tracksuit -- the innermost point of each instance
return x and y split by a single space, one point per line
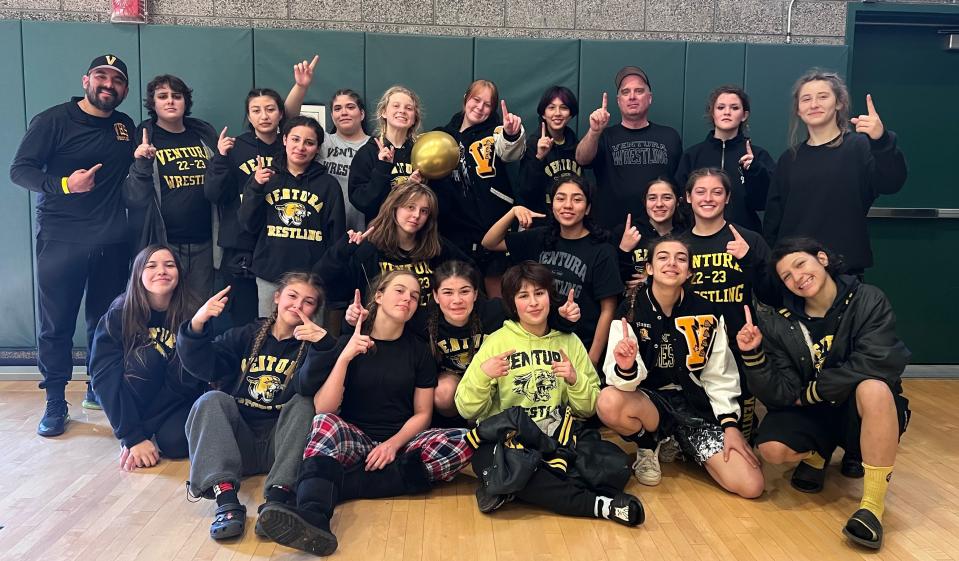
76 156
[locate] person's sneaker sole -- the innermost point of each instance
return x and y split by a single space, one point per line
91 405
284 526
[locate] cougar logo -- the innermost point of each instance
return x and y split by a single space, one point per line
264 388
535 385
698 331
292 214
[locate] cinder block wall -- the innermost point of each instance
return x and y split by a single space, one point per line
754 21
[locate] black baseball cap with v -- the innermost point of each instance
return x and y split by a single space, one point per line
109 61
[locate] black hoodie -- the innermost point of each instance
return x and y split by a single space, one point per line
223 185
135 388
478 192
749 187
371 179
296 219
536 176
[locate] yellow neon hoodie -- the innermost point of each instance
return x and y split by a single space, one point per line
530 382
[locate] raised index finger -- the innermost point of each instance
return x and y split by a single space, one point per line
94 168
543 133
749 147
625 325
146 140
506 354
749 316
604 100
502 104
222 133
219 295
870 106
316 58
357 329
356 298
735 232
259 162
570 296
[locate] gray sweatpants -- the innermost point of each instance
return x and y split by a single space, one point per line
225 447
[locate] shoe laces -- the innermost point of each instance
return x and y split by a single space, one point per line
55 408
646 460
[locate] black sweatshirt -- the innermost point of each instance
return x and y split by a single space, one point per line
147 383
478 192
537 176
263 387
58 142
825 193
296 218
224 182
626 161
371 179
727 282
750 187
456 345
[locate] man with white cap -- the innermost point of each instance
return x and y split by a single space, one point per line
627 156
75 156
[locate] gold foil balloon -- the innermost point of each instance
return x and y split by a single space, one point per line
435 154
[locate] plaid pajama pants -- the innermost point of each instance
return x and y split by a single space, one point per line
444 452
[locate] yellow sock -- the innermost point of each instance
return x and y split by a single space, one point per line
874 488
815 460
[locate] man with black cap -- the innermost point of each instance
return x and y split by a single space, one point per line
76 156
627 156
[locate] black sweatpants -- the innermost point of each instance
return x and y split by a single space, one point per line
65 271
563 495
235 269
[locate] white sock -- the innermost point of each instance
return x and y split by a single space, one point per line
602 506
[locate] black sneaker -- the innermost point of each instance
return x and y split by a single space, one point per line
488 502
864 528
851 466
91 401
55 417
627 510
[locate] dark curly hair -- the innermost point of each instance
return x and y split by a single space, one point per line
174 83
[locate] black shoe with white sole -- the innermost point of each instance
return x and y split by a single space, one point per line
864 528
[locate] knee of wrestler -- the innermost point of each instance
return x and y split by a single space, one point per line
774 452
609 405
873 394
752 487
444 395
211 400
172 447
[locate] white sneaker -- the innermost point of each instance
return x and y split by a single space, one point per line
646 467
669 451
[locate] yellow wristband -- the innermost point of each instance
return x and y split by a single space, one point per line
64 186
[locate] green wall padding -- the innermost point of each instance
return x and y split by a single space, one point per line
275 51
771 71
219 82
16 299
511 62
663 61
438 69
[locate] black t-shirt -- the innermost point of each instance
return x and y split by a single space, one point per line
181 161
457 344
626 161
722 279
380 384
587 266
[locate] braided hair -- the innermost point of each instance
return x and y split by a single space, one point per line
448 270
267 325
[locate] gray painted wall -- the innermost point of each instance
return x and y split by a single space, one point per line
753 21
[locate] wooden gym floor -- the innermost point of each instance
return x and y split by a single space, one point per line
65 498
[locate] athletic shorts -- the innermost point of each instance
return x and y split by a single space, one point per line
822 427
699 438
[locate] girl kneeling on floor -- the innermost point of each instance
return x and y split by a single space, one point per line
371 435
258 419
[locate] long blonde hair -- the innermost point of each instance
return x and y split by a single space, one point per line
414 129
